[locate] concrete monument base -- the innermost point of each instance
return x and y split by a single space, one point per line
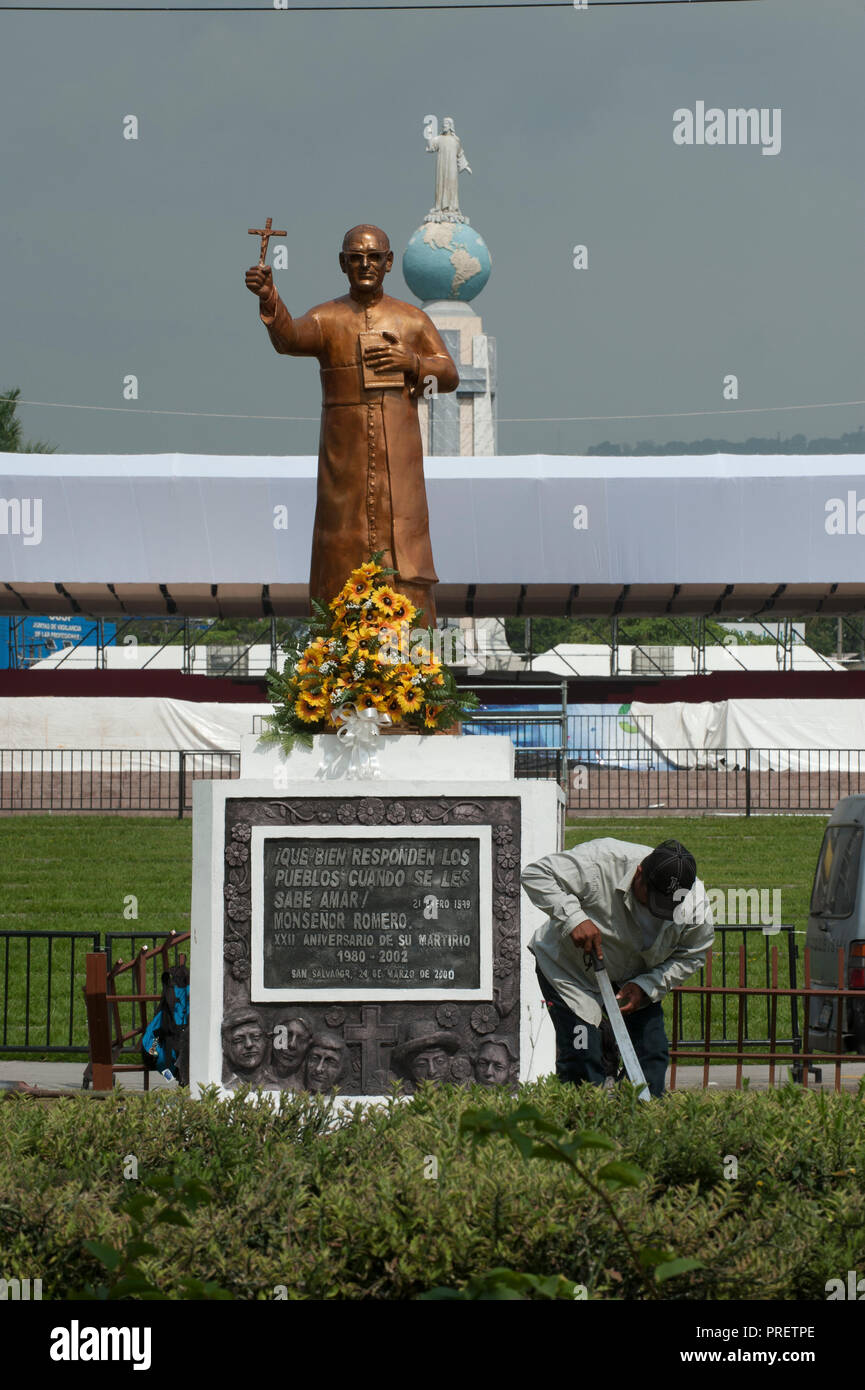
352 932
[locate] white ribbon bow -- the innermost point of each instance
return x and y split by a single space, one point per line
358 733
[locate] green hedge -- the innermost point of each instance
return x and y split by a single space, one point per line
342 1208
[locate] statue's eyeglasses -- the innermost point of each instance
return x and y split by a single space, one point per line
361 257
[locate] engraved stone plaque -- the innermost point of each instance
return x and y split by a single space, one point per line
371 914
370 939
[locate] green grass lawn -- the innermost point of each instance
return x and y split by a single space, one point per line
74 873
80 873
731 851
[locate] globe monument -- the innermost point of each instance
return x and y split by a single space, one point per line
446 264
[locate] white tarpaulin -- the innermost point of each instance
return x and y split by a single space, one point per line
689 735
781 727
60 721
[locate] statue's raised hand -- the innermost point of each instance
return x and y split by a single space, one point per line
259 280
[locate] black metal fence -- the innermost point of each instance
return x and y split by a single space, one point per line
43 978
742 781
42 1005
42 1008
144 781
758 940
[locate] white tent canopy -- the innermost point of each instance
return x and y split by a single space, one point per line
735 534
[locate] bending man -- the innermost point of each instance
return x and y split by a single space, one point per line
646 914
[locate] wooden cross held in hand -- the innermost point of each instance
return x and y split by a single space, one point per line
265 233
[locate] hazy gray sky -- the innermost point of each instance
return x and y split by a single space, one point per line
128 256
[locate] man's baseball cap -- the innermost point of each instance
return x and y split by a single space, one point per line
669 870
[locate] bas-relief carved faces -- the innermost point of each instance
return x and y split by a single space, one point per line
292 1036
433 1064
299 1058
316 1062
303 1060
324 1062
244 1041
494 1064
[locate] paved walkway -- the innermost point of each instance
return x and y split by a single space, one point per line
723 1078
67 1075
52 1076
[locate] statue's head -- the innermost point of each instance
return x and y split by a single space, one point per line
448 125
365 258
432 1064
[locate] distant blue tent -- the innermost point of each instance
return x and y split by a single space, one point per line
597 735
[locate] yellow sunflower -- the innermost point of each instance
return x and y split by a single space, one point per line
409 698
431 714
359 637
310 661
393 708
310 708
385 598
359 587
402 610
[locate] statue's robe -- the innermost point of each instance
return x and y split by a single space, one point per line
371 494
450 162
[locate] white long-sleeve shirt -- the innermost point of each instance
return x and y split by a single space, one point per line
594 881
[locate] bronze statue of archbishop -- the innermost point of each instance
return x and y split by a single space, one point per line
376 355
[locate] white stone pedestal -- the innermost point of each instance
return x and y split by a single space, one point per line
401 758
283 796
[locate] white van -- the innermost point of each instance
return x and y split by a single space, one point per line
837 920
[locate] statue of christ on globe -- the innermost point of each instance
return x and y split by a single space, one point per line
376 356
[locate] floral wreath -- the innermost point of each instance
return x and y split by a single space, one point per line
362 651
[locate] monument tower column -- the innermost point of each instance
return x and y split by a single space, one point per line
446 265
